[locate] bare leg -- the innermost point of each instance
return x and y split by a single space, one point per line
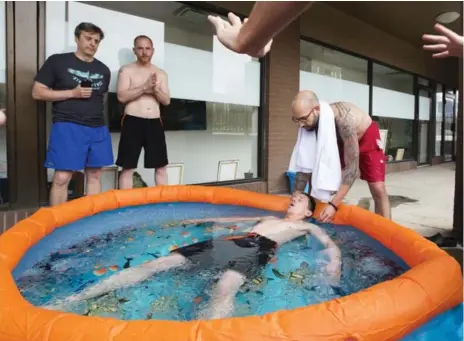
126 278
222 300
59 190
125 179
161 176
381 200
93 185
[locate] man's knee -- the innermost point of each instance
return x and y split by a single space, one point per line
62 178
161 171
229 283
378 191
127 172
93 174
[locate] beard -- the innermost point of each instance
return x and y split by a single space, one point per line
310 128
144 59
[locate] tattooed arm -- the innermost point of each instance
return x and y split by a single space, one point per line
300 181
348 133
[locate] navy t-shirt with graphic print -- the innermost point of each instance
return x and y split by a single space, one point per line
65 72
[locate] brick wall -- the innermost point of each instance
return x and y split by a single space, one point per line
283 85
401 166
10 218
258 186
458 190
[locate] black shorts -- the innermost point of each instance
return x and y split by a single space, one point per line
137 132
245 254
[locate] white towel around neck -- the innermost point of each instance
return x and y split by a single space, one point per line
319 156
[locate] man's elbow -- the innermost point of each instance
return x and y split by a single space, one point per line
163 99
121 98
36 94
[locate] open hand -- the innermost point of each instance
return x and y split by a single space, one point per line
446 44
228 33
327 214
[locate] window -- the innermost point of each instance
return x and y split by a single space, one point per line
456 110
393 109
450 98
439 120
212 122
334 76
4 193
425 102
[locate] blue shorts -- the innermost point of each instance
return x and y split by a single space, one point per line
74 147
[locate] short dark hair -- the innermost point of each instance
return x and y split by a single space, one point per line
89 28
311 202
142 37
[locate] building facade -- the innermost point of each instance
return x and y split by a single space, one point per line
229 121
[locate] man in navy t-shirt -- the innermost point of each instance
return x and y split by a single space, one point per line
76 83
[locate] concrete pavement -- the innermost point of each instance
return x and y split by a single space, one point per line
422 199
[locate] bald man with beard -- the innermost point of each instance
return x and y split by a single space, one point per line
359 142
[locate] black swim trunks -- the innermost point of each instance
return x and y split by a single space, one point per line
137 132
245 254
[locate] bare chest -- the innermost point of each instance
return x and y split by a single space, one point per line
276 227
139 77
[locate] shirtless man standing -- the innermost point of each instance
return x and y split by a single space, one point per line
239 257
359 134
359 143
142 87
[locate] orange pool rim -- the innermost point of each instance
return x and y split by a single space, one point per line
386 311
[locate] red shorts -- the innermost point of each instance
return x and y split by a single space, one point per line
372 160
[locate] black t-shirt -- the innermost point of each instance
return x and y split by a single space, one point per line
65 72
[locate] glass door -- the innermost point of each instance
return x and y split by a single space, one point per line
456 109
449 125
439 120
425 106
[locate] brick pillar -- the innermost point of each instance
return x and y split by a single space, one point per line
282 86
458 202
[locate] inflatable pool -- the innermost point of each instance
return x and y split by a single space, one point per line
446 326
386 311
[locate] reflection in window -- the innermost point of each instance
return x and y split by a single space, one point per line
439 120
334 76
393 109
215 93
387 78
399 137
4 194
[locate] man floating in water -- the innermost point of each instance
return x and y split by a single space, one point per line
238 257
